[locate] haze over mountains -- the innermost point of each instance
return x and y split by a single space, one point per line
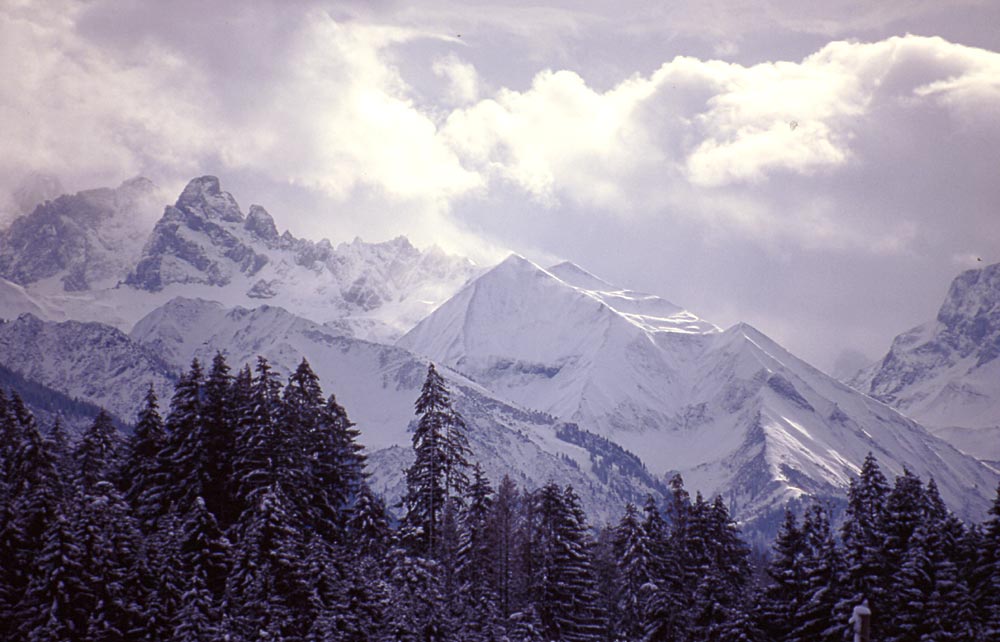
555 369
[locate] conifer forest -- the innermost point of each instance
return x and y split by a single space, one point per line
240 511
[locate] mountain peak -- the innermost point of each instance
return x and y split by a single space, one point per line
261 223
137 184
516 264
84 239
204 196
945 373
577 276
972 306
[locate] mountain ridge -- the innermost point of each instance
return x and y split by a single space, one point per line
533 351
946 372
732 410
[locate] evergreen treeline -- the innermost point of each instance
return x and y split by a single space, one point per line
244 515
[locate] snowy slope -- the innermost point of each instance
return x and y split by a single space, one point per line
732 411
375 290
205 246
946 373
88 361
378 385
17 301
46 404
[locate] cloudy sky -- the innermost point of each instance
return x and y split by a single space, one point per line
822 173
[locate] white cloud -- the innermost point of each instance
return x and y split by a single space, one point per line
463 81
71 109
706 137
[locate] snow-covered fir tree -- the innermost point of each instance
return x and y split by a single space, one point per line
438 473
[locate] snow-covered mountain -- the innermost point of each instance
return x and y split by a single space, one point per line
378 385
87 361
64 261
732 411
375 290
47 404
946 372
81 241
535 353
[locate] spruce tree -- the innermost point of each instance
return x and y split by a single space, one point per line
298 442
479 611
336 463
565 594
438 471
369 533
59 444
218 427
261 448
864 538
204 557
781 606
34 499
269 588
181 468
97 453
823 567
58 600
140 466
504 518
989 588
905 510
722 562
115 568
669 602
10 439
636 566
417 611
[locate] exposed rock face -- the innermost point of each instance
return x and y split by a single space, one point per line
260 224
84 240
946 373
372 290
200 239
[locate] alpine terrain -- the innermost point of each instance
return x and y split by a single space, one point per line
560 375
731 410
946 372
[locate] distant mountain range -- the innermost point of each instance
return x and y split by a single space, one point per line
560 374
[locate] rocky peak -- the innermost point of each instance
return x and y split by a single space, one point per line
203 196
971 313
260 223
946 372
201 239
